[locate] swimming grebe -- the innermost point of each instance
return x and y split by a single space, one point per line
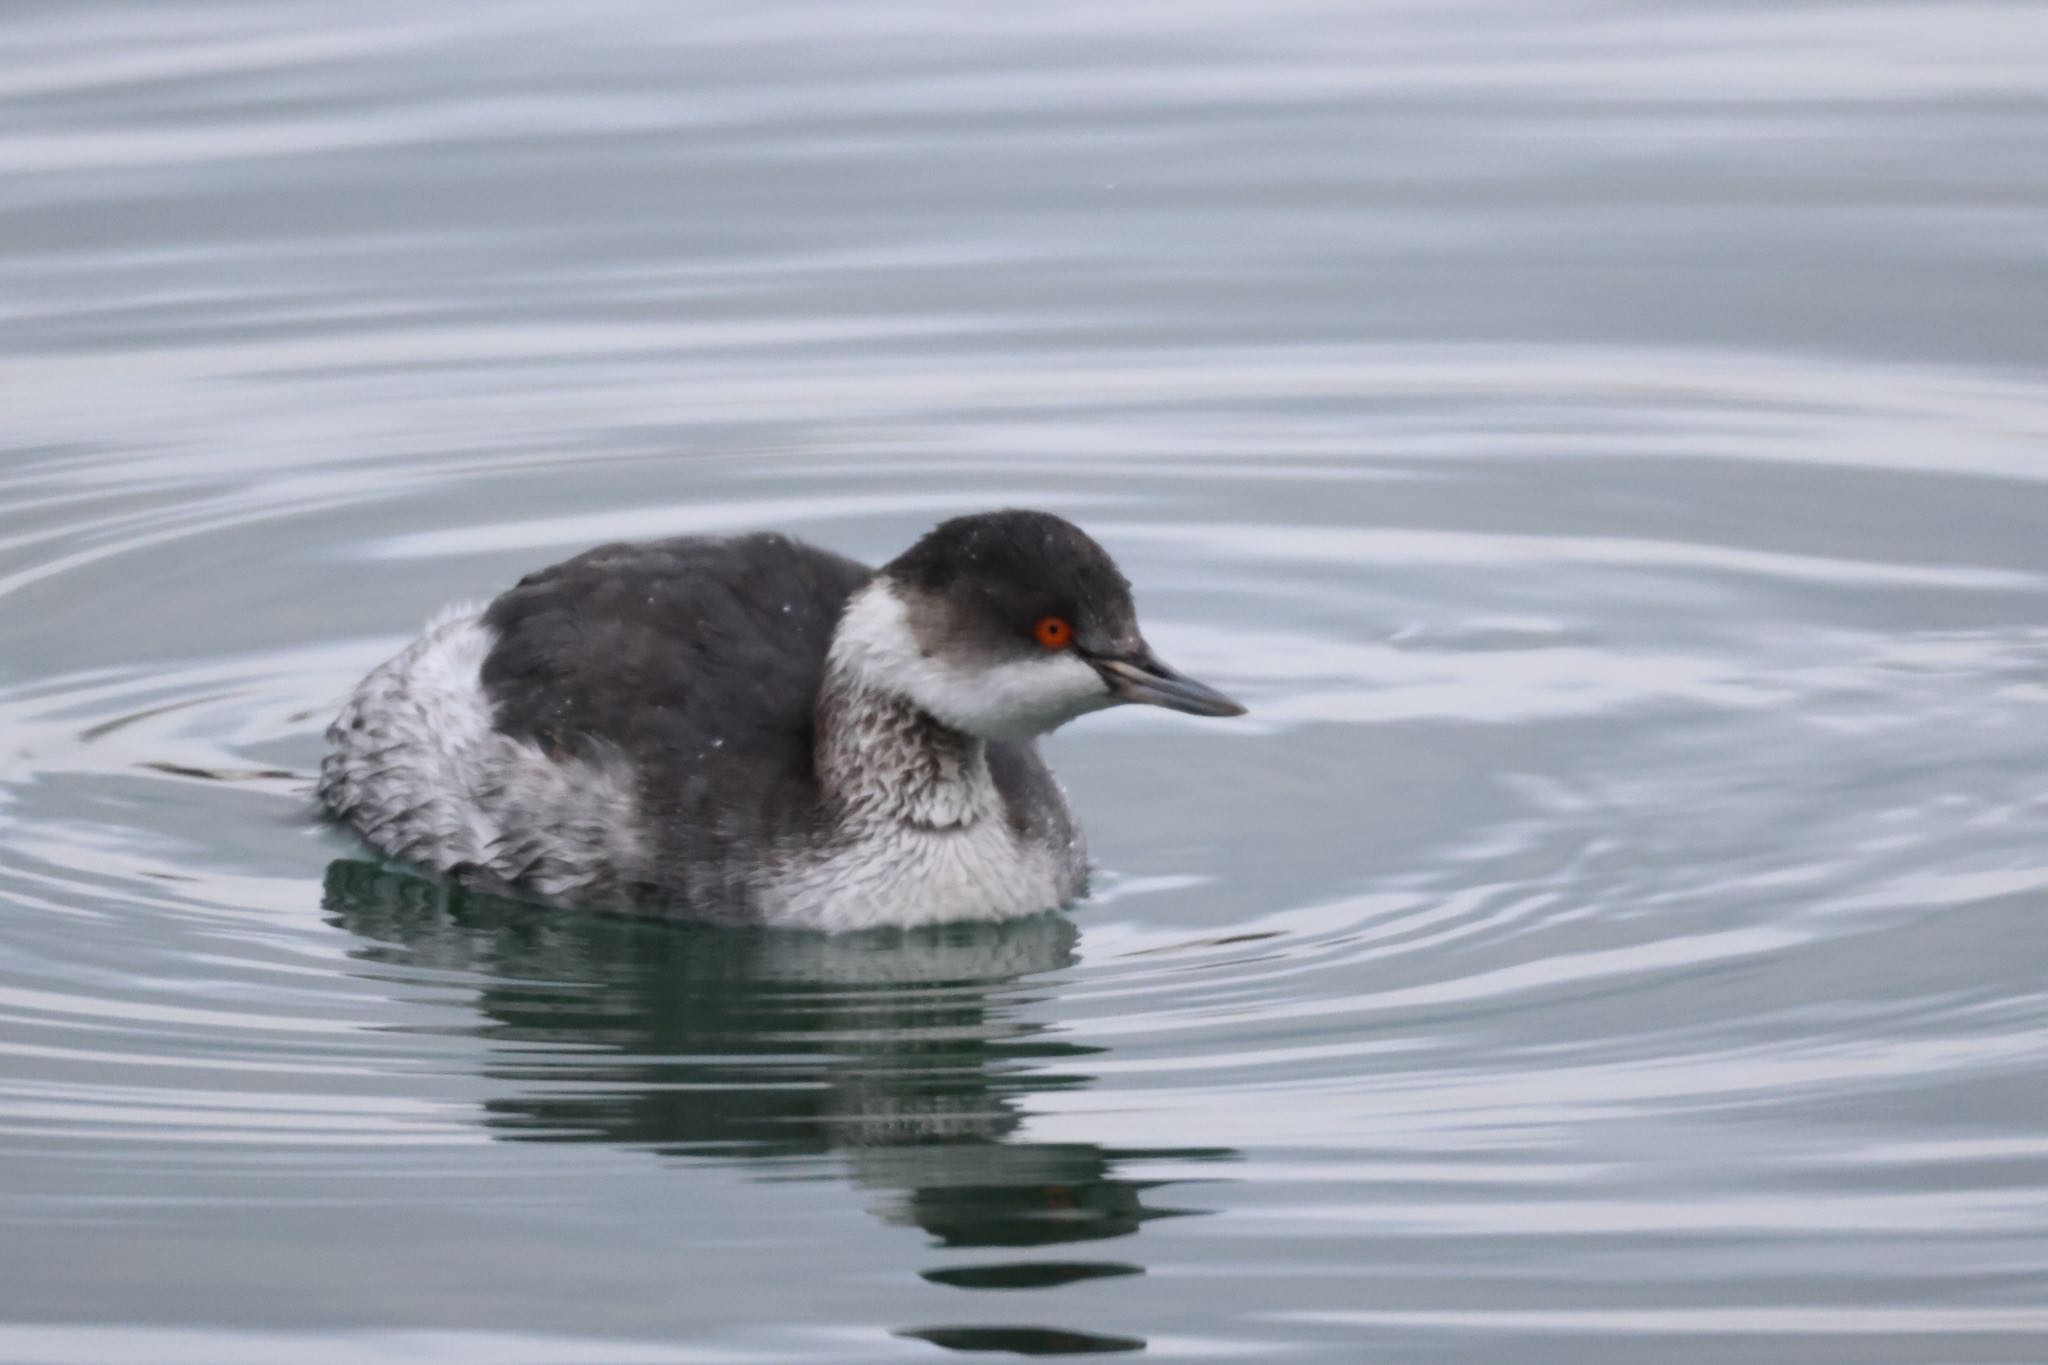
754 729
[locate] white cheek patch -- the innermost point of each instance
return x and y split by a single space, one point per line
1013 701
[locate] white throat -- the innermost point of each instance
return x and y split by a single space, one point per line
922 832
877 646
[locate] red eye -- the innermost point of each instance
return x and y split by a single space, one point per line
1054 632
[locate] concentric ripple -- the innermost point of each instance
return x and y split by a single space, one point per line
1603 445
1590 912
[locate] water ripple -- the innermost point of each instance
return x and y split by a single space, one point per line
1613 933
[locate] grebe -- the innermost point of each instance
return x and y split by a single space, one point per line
753 729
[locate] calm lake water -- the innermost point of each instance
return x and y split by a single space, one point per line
1606 444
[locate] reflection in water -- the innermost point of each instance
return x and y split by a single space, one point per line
899 1050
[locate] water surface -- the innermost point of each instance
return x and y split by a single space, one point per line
1604 444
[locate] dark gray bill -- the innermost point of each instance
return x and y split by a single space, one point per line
1152 683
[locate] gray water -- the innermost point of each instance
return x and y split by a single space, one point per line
1606 444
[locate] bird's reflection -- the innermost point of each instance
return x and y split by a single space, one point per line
906 1053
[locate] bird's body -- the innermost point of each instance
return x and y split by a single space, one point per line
747 729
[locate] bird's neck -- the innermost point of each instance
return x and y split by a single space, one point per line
882 758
